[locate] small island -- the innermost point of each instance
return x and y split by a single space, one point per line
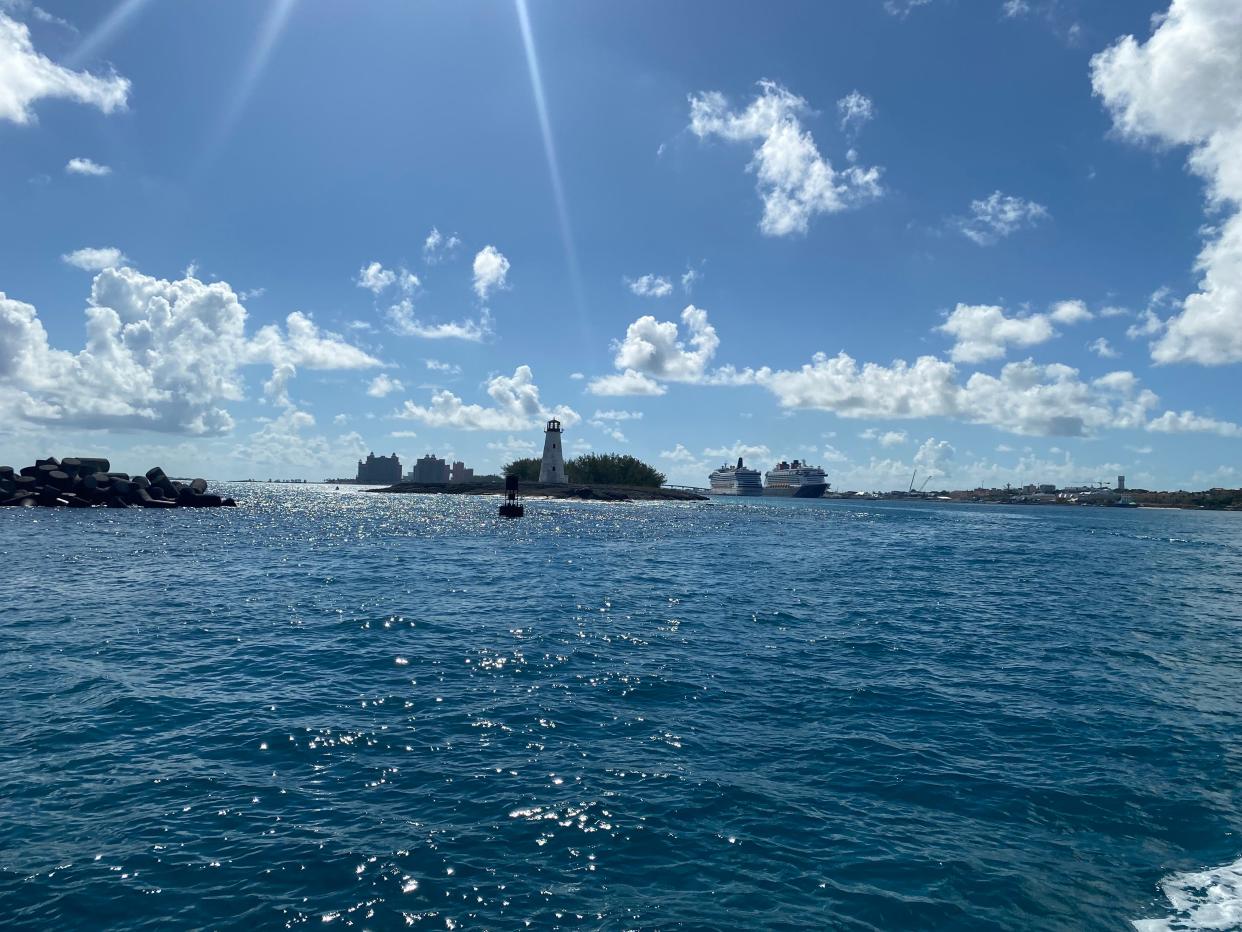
603 477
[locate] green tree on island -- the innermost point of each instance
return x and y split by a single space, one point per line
594 469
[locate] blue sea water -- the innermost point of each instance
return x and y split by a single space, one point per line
337 709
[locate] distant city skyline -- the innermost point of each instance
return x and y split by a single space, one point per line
995 241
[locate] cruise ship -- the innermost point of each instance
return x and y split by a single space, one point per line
736 480
796 479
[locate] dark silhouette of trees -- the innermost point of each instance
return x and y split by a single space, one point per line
594 469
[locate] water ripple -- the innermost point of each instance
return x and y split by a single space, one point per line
339 709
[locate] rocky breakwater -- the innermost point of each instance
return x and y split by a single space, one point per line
86 482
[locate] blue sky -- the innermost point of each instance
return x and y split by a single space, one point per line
996 241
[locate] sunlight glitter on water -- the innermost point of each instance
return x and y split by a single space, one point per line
820 743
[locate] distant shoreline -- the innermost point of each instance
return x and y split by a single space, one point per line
1208 500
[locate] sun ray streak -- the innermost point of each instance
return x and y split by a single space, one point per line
260 54
105 32
554 170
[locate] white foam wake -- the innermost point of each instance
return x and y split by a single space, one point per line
1209 899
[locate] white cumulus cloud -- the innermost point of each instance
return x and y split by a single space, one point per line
448 368
159 355
616 415
610 430
26 76
1070 312
81 166
94 259
491 271
625 383
650 286
402 319
302 343
512 447
515 406
795 181
654 348
982 332
887 438
382 386
935 456
679 454
855 110
286 442
903 8
1182 422
375 278
1025 398
1102 348
1182 87
437 247
997 216
748 451
654 351
606 421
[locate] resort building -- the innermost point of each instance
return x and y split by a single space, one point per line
430 470
379 470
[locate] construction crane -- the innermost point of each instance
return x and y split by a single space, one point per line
913 476
924 485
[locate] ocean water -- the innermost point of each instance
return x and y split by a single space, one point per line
340 710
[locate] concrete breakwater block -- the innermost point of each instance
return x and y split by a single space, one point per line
86 482
160 481
96 480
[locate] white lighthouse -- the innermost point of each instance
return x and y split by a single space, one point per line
552 468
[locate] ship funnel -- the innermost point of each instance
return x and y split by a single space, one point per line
739 462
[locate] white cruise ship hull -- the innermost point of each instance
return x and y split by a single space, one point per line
809 490
735 480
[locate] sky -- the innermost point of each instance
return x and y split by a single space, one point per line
995 241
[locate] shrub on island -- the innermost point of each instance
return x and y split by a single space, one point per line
594 469
85 482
